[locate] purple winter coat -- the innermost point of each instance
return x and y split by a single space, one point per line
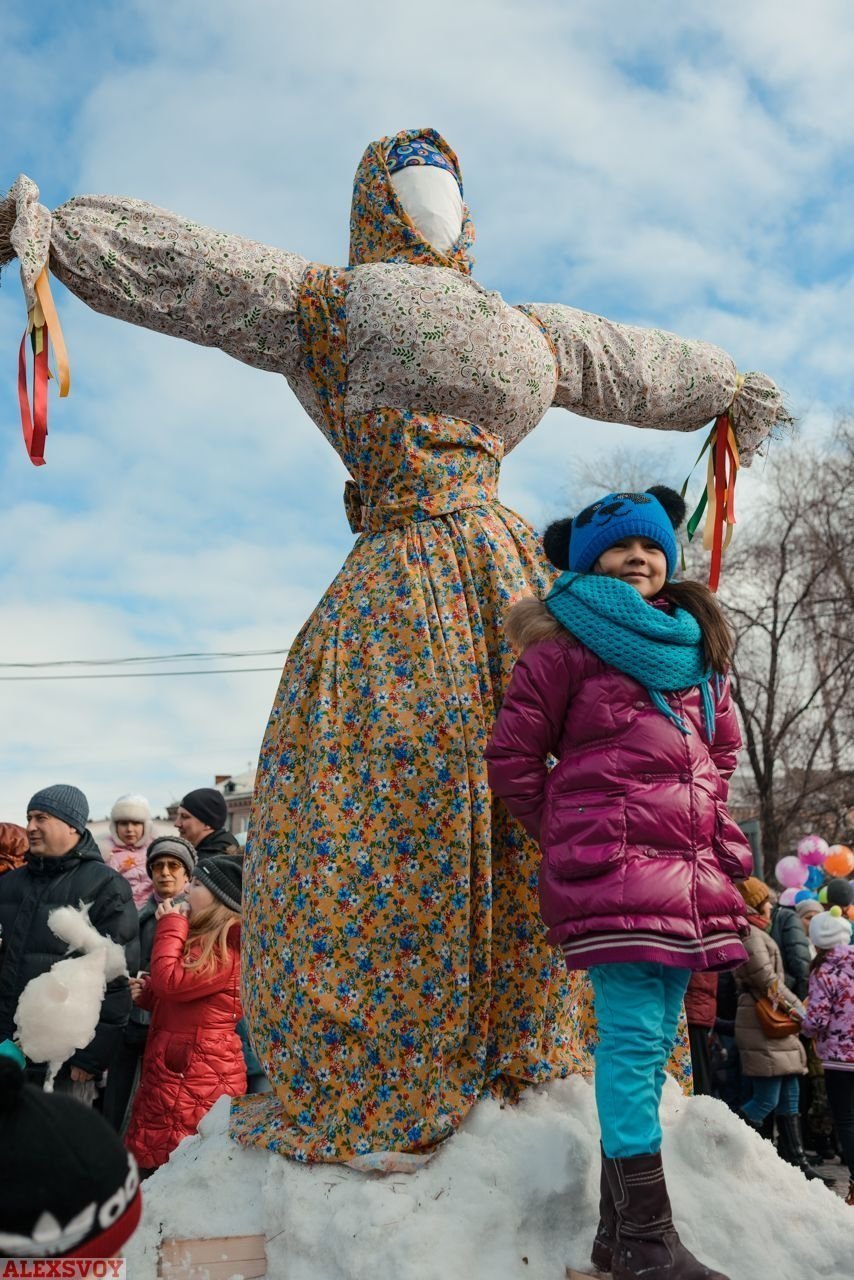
830 1009
639 851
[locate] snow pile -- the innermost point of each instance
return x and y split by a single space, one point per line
513 1196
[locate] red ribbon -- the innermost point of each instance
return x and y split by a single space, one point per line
34 425
725 469
720 503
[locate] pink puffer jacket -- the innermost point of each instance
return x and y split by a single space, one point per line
129 861
639 851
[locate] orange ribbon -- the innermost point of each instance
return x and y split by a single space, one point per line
720 487
718 499
43 328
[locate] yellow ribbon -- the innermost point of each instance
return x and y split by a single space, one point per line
44 313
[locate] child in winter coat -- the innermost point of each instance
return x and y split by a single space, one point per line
128 841
622 678
830 1018
193 1054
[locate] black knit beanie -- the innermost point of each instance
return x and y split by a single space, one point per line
70 1189
208 805
223 875
839 892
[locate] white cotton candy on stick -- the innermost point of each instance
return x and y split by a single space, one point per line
73 926
58 1011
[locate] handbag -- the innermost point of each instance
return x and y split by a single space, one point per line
776 1022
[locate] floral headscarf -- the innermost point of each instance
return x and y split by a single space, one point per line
381 229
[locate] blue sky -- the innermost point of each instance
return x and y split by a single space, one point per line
673 164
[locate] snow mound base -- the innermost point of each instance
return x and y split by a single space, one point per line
514 1196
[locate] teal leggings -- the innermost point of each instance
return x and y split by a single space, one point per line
637 1011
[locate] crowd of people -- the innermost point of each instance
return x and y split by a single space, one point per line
170 1037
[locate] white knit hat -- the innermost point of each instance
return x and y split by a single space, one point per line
131 808
830 930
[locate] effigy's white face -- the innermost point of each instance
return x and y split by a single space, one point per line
432 199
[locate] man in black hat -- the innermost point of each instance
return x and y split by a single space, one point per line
201 820
64 868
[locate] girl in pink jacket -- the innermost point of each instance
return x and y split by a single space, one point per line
830 1019
131 833
622 680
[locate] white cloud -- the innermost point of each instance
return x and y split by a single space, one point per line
668 163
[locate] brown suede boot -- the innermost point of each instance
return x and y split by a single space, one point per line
648 1246
606 1232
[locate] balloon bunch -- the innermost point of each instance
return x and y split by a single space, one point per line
816 861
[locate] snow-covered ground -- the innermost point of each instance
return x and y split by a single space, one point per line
513 1196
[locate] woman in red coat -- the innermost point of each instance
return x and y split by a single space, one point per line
193 1054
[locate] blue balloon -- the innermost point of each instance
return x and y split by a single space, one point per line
805 893
815 878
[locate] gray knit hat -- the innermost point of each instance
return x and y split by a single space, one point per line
64 802
808 907
223 875
171 847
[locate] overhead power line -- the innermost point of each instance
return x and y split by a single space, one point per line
149 658
144 675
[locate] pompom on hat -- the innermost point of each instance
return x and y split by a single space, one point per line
754 891
223 876
829 930
64 802
70 1189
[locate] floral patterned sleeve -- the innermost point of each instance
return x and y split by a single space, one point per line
651 378
143 264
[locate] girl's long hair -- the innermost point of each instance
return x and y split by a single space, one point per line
206 948
697 599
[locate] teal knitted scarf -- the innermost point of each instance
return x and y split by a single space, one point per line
662 651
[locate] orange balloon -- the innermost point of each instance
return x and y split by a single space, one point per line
840 861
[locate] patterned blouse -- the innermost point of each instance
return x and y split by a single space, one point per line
418 336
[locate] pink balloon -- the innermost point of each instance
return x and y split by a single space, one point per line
813 850
787 897
791 872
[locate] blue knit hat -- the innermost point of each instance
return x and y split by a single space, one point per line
618 516
64 802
